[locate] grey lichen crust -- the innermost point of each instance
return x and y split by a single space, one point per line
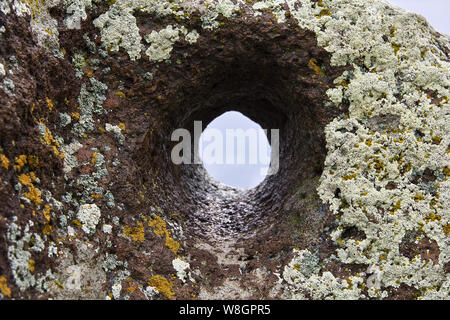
396 129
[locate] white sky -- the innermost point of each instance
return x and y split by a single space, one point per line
237 175
436 12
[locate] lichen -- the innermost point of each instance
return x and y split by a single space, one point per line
135 233
117 132
89 216
119 30
161 43
181 267
162 285
90 99
4 289
76 10
159 227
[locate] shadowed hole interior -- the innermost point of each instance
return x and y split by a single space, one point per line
257 80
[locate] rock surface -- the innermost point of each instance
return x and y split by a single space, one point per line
91 207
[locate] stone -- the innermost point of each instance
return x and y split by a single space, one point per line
92 90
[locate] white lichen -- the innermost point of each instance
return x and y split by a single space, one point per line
76 10
119 30
117 132
89 216
181 267
161 43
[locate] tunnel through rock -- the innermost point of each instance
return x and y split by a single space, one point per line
91 92
279 84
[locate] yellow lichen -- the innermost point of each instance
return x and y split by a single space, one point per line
120 94
135 233
47 229
447 229
172 244
77 222
33 194
75 115
94 158
49 103
33 161
447 171
46 212
163 285
34 6
20 162
313 65
5 161
31 263
324 12
418 197
4 287
396 48
159 227
349 177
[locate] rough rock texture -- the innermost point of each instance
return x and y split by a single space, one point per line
92 207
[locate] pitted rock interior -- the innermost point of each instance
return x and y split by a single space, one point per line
91 92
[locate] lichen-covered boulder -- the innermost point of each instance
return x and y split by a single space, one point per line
91 207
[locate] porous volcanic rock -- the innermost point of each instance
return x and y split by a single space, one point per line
92 207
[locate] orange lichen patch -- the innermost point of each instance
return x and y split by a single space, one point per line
20 162
159 227
396 47
50 141
135 233
33 161
122 126
163 285
324 12
33 194
5 161
46 212
447 229
4 287
313 65
47 229
49 103
172 244
31 263
26 179
34 6
418 197
120 94
436 140
94 158
349 177
75 115
77 222
396 207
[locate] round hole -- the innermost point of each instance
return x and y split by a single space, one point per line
235 150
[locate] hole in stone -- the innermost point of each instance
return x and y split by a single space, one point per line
235 150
